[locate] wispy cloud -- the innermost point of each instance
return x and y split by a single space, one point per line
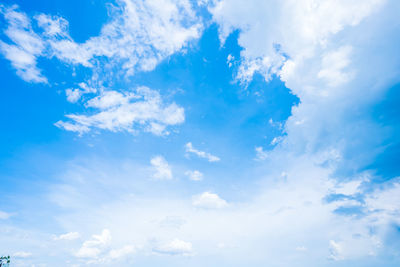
68 236
174 247
194 175
190 149
27 46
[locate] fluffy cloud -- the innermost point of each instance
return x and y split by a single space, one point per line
322 51
194 175
138 36
162 169
93 247
175 247
326 52
209 200
98 249
142 108
190 149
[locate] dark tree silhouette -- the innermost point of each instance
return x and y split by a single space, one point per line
4 261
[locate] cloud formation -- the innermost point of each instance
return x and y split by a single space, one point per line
209 200
190 149
140 109
162 169
174 247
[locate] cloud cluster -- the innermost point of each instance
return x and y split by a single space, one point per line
139 35
142 109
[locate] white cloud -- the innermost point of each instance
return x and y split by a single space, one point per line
162 169
68 236
22 254
194 175
261 154
73 95
175 247
190 149
4 215
94 247
209 200
335 250
138 36
98 250
333 66
26 47
142 108
327 63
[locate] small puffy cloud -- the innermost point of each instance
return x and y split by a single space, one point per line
73 95
175 247
190 149
98 250
209 200
4 215
162 169
93 248
194 175
142 108
68 236
22 254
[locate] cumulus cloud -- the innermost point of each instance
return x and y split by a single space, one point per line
323 63
68 236
209 200
98 249
93 248
194 175
190 149
162 169
174 247
326 54
142 108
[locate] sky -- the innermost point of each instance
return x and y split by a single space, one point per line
200 133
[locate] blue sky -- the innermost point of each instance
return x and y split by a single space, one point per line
200 133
